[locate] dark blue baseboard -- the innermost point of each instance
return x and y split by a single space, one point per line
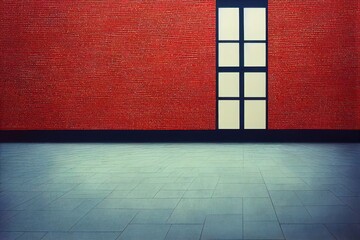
180 136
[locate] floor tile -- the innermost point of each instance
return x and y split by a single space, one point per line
241 179
333 214
31 236
212 206
175 186
87 204
160 180
9 200
184 180
184 232
126 186
81 235
149 193
105 220
318 198
152 216
203 183
65 204
5 215
87 194
40 202
285 198
118 194
288 187
306 232
293 214
139 203
222 227
187 217
43 221
10 235
337 189
92 186
344 231
145 187
148 232
283 180
262 230
59 187
198 194
170 194
352 202
240 190
259 209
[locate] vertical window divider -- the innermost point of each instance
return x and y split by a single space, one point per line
217 68
267 71
241 72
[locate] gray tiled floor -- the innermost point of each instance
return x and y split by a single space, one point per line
179 191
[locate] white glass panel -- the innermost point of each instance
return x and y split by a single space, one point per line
229 114
255 84
254 24
255 114
229 54
255 54
228 84
228 23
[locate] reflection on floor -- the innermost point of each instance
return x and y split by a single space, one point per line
180 191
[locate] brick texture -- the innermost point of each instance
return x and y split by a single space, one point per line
107 64
314 64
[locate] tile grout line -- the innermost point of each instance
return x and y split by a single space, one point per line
272 203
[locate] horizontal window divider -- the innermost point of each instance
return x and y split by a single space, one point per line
255 98
242 3
229 98
228 41
255 41
242 69
242 99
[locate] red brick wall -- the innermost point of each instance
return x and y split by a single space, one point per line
107 64
314 64
151 64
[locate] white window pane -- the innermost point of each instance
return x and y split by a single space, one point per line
254 23
255 114
228 23
228 84
229 114
255 84
228 54
255 54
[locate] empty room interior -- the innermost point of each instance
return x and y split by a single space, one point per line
180 120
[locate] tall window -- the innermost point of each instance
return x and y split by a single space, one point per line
242 64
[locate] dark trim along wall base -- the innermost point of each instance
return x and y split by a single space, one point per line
54 136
